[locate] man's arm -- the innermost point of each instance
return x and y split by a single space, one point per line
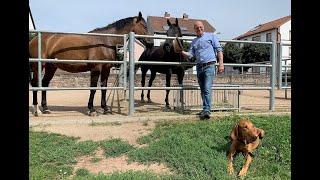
220 59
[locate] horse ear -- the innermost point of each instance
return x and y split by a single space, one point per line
139 17
177 21
168 22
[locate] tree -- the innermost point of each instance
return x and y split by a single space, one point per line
249 53
32 35
253 53
232 53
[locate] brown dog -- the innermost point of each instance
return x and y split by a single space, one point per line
245 138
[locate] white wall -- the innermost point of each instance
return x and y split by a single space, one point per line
157 42
30 23
263 36
285 38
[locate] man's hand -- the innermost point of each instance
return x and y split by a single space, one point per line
220 68
185 54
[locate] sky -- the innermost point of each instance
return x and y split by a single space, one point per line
231 18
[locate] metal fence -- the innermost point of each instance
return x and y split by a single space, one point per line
131 88
190 98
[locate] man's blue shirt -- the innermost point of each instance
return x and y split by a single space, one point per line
204 48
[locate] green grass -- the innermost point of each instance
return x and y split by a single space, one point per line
105 123
197 150
52 156
115 147
132 175
191 149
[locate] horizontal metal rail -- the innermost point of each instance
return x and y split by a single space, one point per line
74 88
76 33
195 88
286 43
286 66
191 38
286 87
143 62
189 63
75 61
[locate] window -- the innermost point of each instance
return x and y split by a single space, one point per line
290 35
290 51
268 37
256 38
165 27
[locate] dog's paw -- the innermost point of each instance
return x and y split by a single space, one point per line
243 172
230 170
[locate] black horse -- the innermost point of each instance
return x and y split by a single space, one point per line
164 53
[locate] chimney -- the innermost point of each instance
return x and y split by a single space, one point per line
166 15
185 16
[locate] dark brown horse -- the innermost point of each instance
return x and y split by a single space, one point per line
164 53
82 48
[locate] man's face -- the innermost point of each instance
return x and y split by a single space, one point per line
198 28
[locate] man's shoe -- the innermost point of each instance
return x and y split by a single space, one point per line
200 113
205 115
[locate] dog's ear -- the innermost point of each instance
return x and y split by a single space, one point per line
234 133
261 133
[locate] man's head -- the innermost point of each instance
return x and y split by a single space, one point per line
198 28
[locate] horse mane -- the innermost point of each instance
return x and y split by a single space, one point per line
118 24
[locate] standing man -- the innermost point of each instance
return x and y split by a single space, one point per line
206 49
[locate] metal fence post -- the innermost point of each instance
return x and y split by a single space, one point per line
272 77
39 62
131 73
125 48
280 67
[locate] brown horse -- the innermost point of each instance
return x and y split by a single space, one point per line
82 48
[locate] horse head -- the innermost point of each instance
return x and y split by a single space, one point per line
174 30
139 25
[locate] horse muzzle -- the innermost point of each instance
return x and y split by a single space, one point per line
177 46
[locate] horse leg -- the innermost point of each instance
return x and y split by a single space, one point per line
180 81
104 82
34 83
153 76
94 76
50 69
168 79
143 80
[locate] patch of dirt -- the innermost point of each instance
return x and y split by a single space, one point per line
129 132
115 164
96 163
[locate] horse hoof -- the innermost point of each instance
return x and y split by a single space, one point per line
92 113
107 111
149 101
142 101
167 108
47 111
37 114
